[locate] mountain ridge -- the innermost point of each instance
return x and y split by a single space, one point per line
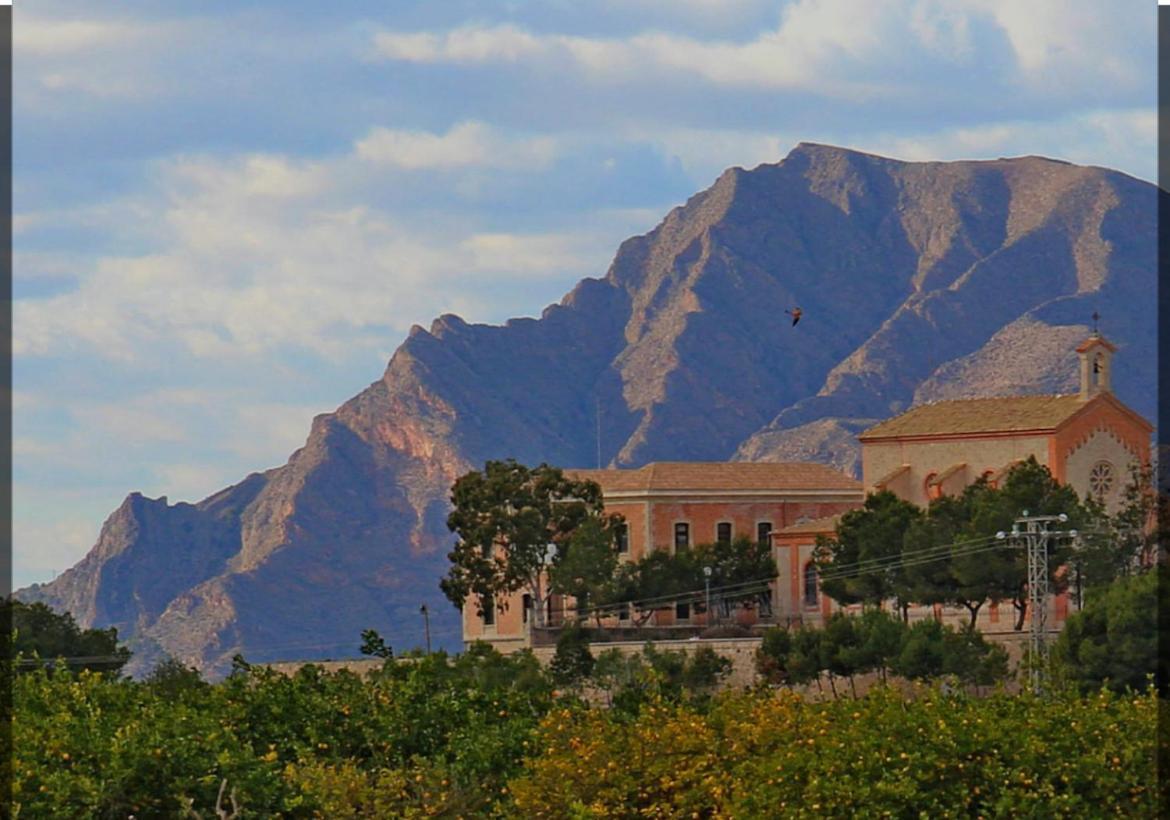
917 281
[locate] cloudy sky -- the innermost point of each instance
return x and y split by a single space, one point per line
229 214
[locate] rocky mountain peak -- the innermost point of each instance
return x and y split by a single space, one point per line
917 281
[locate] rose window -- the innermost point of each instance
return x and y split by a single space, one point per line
1101 478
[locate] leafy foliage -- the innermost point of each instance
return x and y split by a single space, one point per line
873 533
40 633
482 735
739 571
375 645
949 554
630 681
1113 641
585 567
937 755
573 662
875 641
511 520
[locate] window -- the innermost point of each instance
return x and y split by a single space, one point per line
682 536
526 605
624 612
810 584
1101 479
723 532
489 610
928 487
682 612
763 532
622 537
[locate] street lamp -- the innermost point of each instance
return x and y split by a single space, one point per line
707 582
427 625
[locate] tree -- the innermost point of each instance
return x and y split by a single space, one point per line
872 534
735 565
966 569
971 658
572 662
42 635
933 582
968 565
373 644
841 649
585 568
921 656
649 583
772 656
879 640
1125 543
1027 486
1113 641
511 521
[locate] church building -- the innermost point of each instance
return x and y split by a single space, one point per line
1088 439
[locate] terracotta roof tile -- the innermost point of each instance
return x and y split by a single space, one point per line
700 476
994 415
818 525
1096 339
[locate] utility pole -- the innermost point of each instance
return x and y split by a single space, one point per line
426 625
707 582
1036 533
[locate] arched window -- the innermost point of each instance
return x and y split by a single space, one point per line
810 584
723 532
928 488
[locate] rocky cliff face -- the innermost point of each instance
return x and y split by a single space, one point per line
918 281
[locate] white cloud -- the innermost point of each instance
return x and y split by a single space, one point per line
1060 43
827 47
261 252
707 152
465 144
100 58
1124 139
463 45
508 254
39 36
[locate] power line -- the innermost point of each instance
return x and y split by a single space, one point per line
871 566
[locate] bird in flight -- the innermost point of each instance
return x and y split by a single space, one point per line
795 314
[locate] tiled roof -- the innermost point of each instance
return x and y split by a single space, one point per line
715 476
1096 339
997 415
817 525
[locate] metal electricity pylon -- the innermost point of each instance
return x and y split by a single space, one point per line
1036 531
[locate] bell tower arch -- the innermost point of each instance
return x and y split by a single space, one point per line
1096 354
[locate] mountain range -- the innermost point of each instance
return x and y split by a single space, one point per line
917 281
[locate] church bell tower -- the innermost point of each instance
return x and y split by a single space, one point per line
1096 354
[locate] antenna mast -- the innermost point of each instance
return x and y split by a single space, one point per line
598 415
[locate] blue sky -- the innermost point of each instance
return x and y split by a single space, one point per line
228 214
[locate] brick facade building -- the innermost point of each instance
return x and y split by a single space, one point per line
677 505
